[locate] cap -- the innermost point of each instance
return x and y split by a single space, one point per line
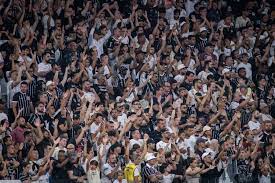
203 29
181 66
164 130
150 156
206 128
225 70
49 83
205 154
120 104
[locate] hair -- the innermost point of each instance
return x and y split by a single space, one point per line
94 162
188 73
5 139
24 83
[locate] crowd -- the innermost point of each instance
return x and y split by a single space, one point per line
130 91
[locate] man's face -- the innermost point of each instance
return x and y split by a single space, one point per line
161 124
61 156
112 159
40 108
166 135
24 88
268 127
242 73
28 138
167 87
47 57
11 150
52 87
190 78
192 41
63 142
199 84
87 86
99 119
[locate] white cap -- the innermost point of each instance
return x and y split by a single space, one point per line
205 154
150 157
181 66
206 128
49 83
203 29
225 70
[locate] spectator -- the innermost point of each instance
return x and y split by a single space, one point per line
137 91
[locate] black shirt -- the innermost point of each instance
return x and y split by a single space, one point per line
59 174
23 101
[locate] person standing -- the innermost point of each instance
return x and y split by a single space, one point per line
21 101
149 173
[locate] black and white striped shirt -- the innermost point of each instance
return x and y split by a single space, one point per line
23 102
146 172
32 91
59 93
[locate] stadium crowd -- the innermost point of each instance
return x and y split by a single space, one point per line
151 91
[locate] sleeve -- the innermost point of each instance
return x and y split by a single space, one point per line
15 97
136 172
106 170
146 172
106 37
90 39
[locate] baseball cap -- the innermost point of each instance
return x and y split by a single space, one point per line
206 128
150 156
225 70
203 29
205 154
49 83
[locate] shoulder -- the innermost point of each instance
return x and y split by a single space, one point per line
16 95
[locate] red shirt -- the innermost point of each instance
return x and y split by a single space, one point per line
18 135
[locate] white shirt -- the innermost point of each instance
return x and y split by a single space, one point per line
93 176
43 67
254 125
45 22
163 145
133 142
56 150
11 91
98 43
93 128
121 119
265 179
191 142
168 178
3 116
248 69
241 22
106 170
123 181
